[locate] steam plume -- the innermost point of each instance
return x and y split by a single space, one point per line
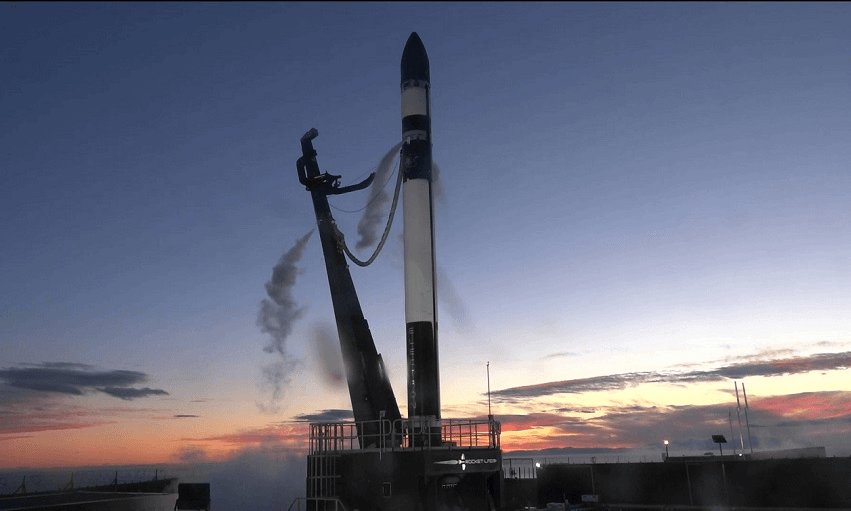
447 295
436 183
277 315
373 214
452 303
327 351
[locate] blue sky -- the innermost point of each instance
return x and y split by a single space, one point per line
628 189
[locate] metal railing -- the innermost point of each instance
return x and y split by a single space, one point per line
317 504
468 433
48 481
455 433
520 468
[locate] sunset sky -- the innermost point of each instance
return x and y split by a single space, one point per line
641 205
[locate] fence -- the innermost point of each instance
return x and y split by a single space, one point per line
346 436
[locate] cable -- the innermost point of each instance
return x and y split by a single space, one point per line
370 201
342 239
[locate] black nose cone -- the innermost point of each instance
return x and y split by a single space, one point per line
415 60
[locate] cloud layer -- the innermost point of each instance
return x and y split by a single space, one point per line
77 379
332 415
779 367
776 422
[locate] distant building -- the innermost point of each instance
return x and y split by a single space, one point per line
805 452
783 454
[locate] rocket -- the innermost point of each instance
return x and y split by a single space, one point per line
423 378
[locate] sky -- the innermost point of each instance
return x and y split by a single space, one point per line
642 205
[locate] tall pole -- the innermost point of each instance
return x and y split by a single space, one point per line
747 422
739 407
730 418
420 290
490 415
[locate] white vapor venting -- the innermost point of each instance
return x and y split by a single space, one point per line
326 348
278 313
373 214
453 304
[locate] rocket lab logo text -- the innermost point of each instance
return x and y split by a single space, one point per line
464 462
412 365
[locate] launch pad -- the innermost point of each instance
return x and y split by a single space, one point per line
463 472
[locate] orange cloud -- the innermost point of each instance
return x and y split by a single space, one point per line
807 405
290 437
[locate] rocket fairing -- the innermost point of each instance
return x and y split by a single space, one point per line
423 378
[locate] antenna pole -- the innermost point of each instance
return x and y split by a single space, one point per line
746 417
739 407
490 415
730 418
